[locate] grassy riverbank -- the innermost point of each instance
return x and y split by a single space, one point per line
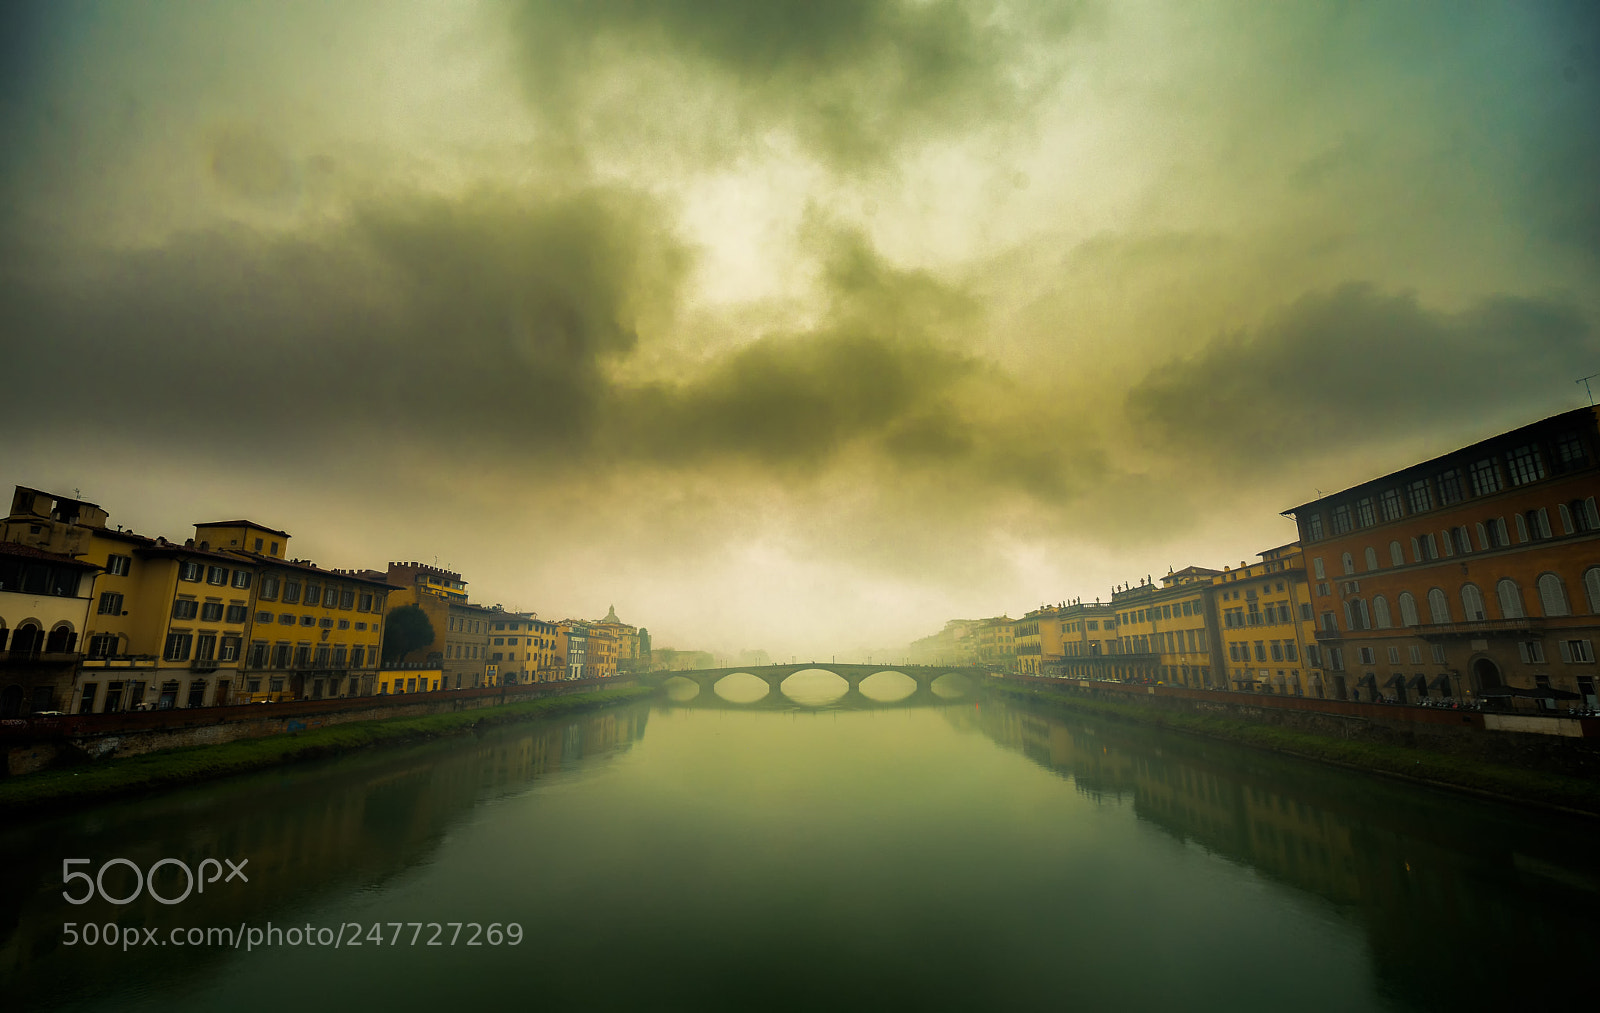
198 763
1449 770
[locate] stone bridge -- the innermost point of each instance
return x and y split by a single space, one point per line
853 675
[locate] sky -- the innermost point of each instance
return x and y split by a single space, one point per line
797 325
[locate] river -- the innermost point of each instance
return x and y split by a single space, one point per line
672 855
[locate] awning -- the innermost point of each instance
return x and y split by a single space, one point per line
1395 680
1441 682
1367 680
1418 681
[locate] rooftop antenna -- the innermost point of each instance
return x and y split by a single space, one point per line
1586 388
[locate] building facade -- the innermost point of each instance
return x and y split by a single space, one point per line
1267 627
1475 574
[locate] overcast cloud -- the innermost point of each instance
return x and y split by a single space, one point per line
800 326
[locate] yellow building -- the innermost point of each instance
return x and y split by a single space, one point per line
997 643
1166 633
313 633
1039 637
167 624
522 645
409 680
1268 631
1089 640
626 636
460 646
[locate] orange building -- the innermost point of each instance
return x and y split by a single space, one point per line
1475 574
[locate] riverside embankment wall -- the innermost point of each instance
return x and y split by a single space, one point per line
1566 744
37 743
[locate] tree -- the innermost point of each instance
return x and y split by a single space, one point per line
406 629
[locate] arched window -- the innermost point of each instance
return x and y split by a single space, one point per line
1438 606
61 640
1355 613
1408 609
1510 596
1349 563
1372 558
1397 555
1380 612
1591 584
1472 602
1553 596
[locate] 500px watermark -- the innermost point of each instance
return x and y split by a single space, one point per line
195 881
250 937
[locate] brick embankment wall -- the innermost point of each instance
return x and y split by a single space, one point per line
42 743
1558 744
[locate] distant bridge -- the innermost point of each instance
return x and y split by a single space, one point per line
853 675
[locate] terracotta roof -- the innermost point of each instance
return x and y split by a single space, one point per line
19 551
289 564
242 524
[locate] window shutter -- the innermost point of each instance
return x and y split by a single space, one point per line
1566 652
1500 526
1588 650
1522 529
1522 652
1483 538
1449 544
1591 583
1593 513
1544 523
1550 596
1566 518
1416 551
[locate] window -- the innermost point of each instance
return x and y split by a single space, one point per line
1349 562
1277 650
1391 505
1336 659
230 649
1438 654
362 626
102 645
185 608
211 612
291 592
258 545
1408 609
365 604
325 623
118 566
1318 569
1553 596
1457 540
1416 654
269 588
1591 585
190 571
177 647
1472 603
1450 486
1364 512
1368 656
241 578
1371 558
358 656
1397 555
1289 652
1355 613
330 597
1438 606
1485 478
347 599
237 613
1524 465
1261 651
1394 655
1305 611
1419 497
1569 450
110 604
1314 527
1579 652
1531 651
1341 519
1510 599
344 624
286 619
1380 612
217 575
308 620
206 647
313 594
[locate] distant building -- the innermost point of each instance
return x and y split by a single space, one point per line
1473 574
1088 640
1268 631
996 643
1167 633
626 637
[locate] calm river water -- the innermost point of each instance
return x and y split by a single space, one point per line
679 855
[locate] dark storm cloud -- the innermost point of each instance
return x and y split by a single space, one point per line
1357 365
851 79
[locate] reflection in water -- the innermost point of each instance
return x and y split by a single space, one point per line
861 855
307 830
1464 903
